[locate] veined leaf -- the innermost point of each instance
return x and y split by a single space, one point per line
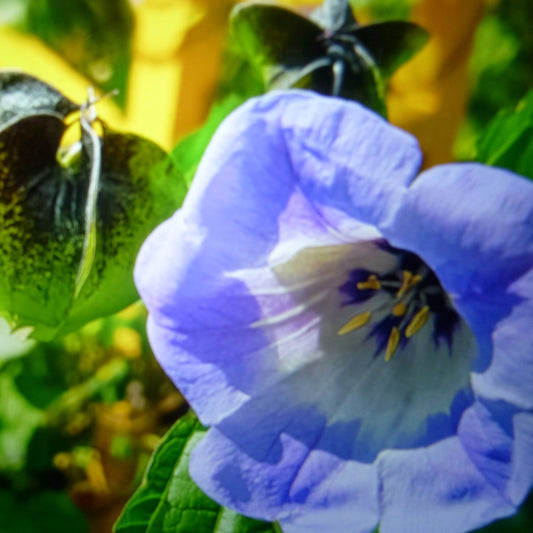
47 195
168 501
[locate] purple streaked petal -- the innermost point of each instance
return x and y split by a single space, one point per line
298 486
498 439
436 489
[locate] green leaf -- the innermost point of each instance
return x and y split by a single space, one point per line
508 140
14 12
501 61
386 9
168 501
46 512
72 219
94 36
18 422
12 344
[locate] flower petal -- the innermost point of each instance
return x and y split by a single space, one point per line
347 158
498 438
332 402
306 490
436 489
251 205
473 225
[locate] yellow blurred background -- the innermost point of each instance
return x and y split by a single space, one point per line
176 60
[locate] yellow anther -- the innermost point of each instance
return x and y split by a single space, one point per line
417 321
408 281
356 322
392 343
371 283
399 309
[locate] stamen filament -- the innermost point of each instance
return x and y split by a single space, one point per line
356 322
417 322
392 343
408 281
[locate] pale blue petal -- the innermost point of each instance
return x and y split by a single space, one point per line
436 489
498 439
300 487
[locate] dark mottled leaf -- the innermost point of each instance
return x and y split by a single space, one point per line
168 501
508 140
59 270
271 35
333 56
391 43
23 96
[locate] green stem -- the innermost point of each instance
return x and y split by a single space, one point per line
277 527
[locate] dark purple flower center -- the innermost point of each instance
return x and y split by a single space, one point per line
416 300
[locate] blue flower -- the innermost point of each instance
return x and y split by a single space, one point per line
361 342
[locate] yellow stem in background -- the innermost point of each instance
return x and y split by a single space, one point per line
177 55
429 94
158 73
